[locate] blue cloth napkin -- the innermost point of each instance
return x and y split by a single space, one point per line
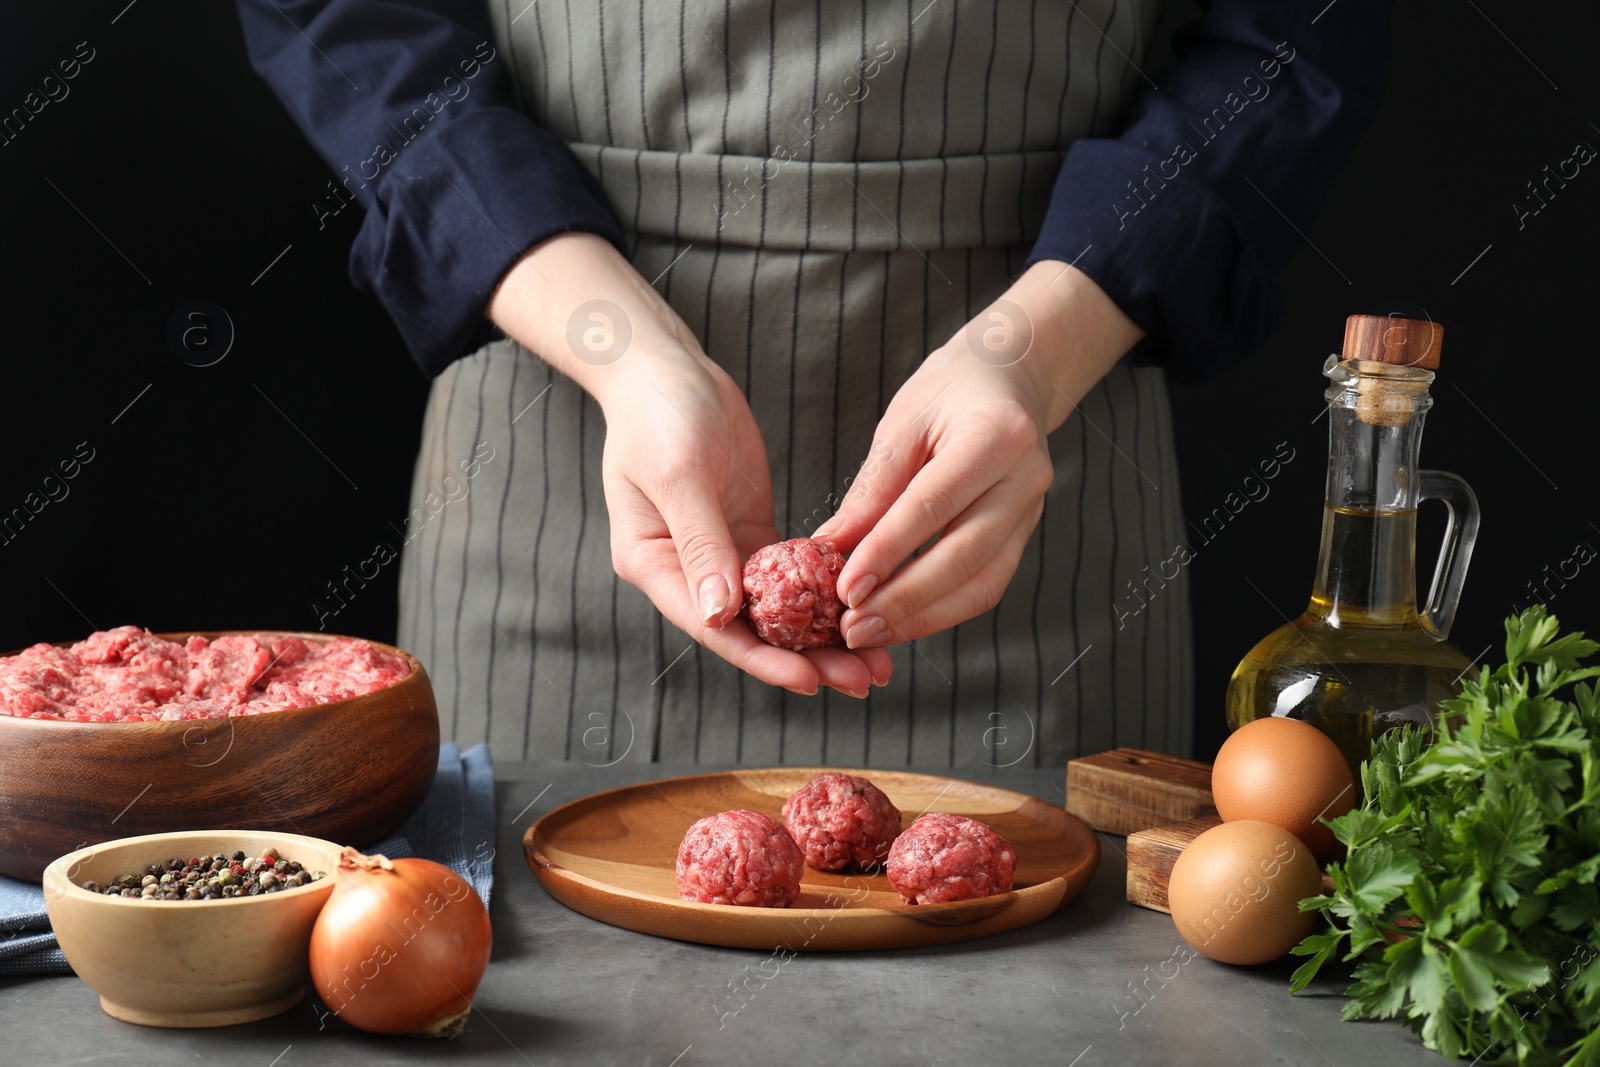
454 826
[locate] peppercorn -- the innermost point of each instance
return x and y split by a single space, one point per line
210 878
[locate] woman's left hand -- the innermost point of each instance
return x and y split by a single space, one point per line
962 453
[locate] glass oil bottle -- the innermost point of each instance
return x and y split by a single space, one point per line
1363 659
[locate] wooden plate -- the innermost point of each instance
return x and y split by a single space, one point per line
610 856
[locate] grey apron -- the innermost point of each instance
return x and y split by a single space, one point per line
825 192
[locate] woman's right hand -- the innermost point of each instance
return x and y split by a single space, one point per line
685 470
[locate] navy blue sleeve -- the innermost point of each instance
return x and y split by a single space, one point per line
409 103
1189 218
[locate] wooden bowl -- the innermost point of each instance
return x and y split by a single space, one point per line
350 770
189 963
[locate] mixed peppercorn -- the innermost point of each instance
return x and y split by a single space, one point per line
210 878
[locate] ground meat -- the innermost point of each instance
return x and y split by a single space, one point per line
840 820
791 597
943 857
131 675
740 857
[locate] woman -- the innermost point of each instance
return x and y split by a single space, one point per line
746 259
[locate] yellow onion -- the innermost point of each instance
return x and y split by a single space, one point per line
400 946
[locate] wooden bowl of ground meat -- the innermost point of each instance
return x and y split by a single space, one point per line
129 733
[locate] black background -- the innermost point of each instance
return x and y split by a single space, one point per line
171 174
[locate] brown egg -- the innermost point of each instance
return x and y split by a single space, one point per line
1235 892
1285 772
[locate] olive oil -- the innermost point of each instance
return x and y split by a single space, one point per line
1363 658
1358 662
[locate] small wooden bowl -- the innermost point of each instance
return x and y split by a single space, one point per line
349 770
189 963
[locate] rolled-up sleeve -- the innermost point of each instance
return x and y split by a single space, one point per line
410 105
1189 218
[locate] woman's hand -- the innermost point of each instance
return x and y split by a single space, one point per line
964 456
685 470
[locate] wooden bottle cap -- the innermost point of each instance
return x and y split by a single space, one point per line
1403 342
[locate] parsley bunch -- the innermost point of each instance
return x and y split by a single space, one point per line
1468 891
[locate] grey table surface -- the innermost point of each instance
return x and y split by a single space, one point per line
1087 986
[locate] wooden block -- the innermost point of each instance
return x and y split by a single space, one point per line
1129 789
1151 854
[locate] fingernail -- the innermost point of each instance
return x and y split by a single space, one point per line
713 597
879 682
859 694
801 692
860 590
867 631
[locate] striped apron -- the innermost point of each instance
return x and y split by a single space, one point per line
825 192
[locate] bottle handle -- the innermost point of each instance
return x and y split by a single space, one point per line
1460 534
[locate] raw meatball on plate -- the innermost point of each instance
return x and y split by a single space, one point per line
740 857
840 820
943 857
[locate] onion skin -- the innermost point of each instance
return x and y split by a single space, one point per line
400 947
